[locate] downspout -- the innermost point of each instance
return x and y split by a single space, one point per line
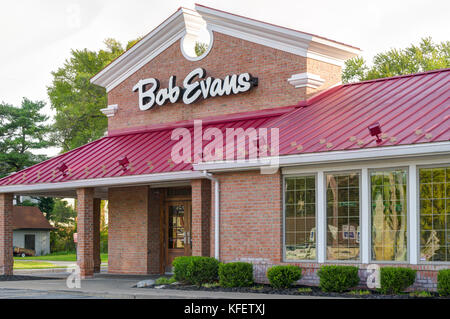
216 214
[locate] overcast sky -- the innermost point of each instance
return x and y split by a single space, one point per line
36 36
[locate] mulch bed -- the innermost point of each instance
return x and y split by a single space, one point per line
315 291
21 278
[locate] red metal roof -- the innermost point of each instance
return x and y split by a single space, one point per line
148 152
410 109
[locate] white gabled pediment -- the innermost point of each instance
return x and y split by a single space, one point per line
181 23
187 23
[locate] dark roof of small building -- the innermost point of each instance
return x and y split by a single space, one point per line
29 217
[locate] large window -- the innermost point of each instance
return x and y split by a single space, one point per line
389 215
434 187
343 231
300 218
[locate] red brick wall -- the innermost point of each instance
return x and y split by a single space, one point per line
6 234
128 244
154 240
228 55
250 217
201 212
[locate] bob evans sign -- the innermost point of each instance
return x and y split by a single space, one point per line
195 86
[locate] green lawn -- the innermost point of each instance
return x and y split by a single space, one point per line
34 265
60 257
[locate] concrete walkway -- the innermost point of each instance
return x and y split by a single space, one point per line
120 287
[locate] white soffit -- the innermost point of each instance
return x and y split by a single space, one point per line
187 22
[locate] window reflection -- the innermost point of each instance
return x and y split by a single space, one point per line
343 232
300 218
434 188
176 226
389 215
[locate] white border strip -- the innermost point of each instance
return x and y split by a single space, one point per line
388 152
102 182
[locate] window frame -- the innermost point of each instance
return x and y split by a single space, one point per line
342 172
315 260
408 212
418 168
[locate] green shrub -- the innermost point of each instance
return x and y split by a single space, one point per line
337 278
201 270
237 274
283 276
179 265
195 270
443 282
394 280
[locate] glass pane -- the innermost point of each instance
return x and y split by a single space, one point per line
343 216
434 214
176 226
389 215
300 218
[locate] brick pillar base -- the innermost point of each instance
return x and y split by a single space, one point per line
96 226
85 208
201 213
6 234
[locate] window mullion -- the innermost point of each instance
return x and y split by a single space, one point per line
413 215
321 218
365 215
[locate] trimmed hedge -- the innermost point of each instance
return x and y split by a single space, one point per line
236 274
394 280
195 270
179 265
443 282
338 278
284 275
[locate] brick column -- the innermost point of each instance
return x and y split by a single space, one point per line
85 229
201 212
154 233
6 234
96 226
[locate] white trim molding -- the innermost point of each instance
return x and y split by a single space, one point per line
111 110
185 24
306 80
103 182
171 30
192 34
373 153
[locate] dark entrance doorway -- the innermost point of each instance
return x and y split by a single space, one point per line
30 242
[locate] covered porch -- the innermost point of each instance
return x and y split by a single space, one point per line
151 220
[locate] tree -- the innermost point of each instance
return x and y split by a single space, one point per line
77 102
45 204
200 48
22 130
416 58
63 213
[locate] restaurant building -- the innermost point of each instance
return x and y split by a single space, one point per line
254 151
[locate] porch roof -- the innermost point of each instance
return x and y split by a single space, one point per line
411 109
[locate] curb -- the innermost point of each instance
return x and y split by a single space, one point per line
46 270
